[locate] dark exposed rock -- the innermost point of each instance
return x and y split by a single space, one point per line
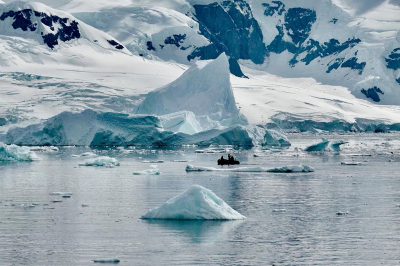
373 93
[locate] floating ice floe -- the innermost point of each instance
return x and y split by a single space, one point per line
292 169
16 153
192 168
152 171
351 163
102 161
257 169
196 203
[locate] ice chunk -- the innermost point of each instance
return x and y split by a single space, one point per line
292 169
197 203
351 163
16 153
255 169
152 171
320 147
102 161
192 168
275 139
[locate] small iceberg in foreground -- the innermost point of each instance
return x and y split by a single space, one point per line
196 203
102 161
14 153
256 169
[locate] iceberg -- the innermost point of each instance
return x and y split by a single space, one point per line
275 139
204 89
121 130
197 203
16 153
102 161
319 147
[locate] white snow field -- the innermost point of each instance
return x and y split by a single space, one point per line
196 203
264 96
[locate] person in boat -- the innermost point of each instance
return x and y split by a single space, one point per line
231 159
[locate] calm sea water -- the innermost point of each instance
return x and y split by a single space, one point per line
339 215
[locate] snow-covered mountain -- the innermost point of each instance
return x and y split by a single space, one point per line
327 40
291 62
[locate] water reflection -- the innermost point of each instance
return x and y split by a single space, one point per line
198 232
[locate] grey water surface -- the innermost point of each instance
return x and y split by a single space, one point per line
338 215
